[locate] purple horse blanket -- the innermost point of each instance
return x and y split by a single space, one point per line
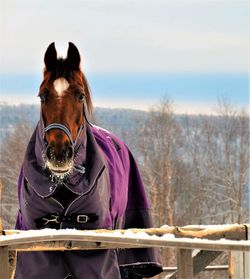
109 194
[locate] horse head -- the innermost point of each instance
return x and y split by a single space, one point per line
64 95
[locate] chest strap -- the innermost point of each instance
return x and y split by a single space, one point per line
52 219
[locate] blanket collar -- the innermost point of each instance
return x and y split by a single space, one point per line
34 164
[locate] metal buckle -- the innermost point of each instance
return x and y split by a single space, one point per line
55 219
82 219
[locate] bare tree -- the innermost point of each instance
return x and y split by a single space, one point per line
11 153
218 148
158 143
194 148
157 146
227 162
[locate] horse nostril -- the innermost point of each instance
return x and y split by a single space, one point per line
68 152
59 155
50 152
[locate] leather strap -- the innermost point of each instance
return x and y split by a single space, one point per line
77 218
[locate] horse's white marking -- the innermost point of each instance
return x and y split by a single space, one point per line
60 85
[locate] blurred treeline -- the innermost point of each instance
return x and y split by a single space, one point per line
195 167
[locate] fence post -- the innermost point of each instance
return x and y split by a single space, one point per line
239 267
184 264
236 267
4 262
1 217
247 264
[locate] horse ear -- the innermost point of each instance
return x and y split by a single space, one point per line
73 57
50 57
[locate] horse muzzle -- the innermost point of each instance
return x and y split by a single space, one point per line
60 149
59 159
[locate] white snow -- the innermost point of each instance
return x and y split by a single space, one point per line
209 227
135 237
127 234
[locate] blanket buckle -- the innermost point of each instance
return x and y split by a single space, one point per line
55 219
82 219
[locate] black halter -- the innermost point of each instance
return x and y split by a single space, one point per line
66 130
63 128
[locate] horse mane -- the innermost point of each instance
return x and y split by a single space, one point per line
64 70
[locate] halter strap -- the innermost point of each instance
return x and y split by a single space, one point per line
66 130
61 127
78 168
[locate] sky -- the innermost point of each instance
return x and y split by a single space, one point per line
133 52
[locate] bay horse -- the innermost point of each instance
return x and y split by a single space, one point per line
79 176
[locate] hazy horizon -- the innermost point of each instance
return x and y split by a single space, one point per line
190 93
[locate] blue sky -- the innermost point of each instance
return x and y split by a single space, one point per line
133 52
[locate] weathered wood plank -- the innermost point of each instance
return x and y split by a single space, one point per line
237 265
203 259
12 263
247 255
4 262
240 262
200 261
233 232
68 245
106 239
208 268
247 264
184 264
1 217
133 241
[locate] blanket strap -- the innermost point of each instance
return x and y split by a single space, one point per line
77 218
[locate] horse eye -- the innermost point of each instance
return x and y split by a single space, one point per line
42 98
81 98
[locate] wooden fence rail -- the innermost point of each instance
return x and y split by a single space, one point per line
210 240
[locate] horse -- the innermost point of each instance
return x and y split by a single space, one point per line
76 175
